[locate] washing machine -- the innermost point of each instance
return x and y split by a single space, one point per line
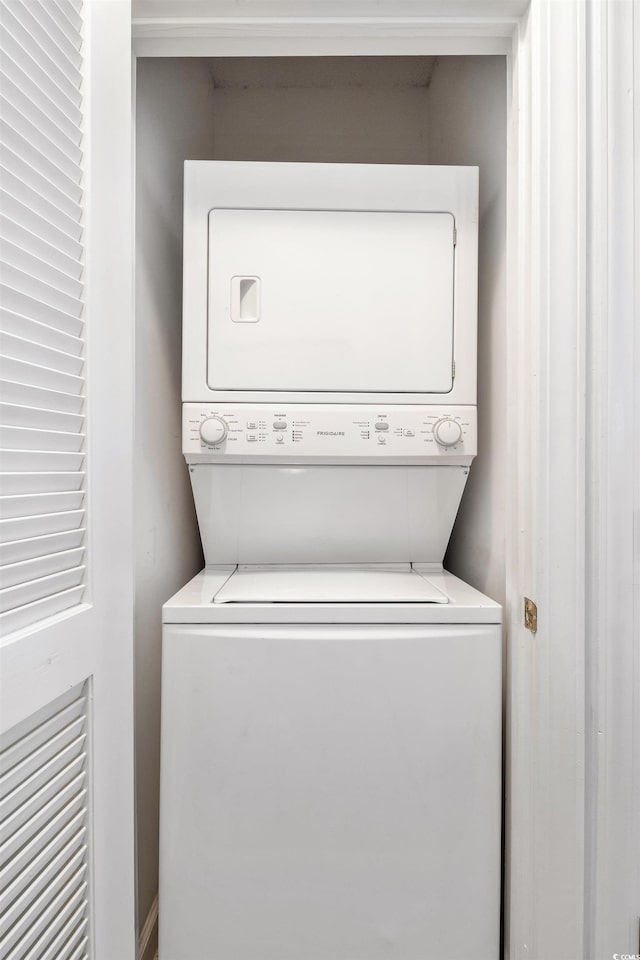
331 696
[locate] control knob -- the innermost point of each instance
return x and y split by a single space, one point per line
447 432
213 430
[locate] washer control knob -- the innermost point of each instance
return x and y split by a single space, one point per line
447 432
213 430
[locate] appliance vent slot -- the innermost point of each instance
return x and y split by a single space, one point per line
44 867
42 376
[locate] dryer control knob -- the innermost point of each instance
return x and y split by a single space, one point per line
213 430
447 432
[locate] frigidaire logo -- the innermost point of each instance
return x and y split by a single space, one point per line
330 433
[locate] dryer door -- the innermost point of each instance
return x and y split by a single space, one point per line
349 301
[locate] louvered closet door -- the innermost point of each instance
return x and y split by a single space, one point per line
42 342
66 824
44 835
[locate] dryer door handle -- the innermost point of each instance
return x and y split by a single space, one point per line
245 299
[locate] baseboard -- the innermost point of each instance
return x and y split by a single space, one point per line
148 939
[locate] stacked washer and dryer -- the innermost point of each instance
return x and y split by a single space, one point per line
331 697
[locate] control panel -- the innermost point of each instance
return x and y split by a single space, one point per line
314 431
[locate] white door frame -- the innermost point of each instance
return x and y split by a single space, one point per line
558 435
612 768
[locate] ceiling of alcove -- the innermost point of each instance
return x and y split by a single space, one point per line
321 72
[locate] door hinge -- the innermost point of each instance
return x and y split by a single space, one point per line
455 234
530 615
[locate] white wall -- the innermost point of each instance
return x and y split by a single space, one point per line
341 110
467 125
172 98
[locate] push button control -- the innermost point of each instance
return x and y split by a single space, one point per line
382 426
279 425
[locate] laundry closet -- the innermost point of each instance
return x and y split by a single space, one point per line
371 110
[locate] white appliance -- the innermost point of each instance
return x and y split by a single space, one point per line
331 698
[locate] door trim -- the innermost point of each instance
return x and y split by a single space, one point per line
549 355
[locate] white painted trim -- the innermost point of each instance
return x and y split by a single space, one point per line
322 27
521 365
546 707
285 28
337 45
148 940
386 18
502 10
109 317
612 896
299 28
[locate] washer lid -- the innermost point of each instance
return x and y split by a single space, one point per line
326 584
